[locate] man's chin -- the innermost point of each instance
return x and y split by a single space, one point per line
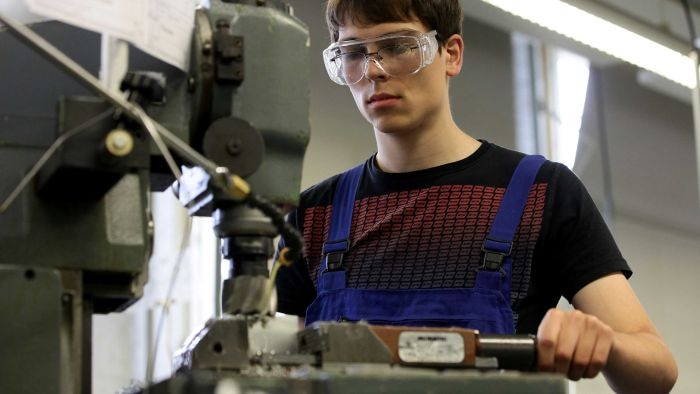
390 128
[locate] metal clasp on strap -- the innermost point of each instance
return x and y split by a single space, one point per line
333 252
493 258
334 261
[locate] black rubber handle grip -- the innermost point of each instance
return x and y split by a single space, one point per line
517 352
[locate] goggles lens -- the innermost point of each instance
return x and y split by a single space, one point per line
397 55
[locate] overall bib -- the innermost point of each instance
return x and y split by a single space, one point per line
484 307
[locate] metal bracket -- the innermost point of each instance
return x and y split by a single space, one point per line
228 50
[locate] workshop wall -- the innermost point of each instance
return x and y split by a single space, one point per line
666 270
655 202
651 150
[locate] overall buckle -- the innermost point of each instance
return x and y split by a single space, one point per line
334 261
493 259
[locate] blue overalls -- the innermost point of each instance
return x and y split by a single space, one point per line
485 307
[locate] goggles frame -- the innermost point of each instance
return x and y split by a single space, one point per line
427 43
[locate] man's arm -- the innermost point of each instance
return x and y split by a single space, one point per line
609 332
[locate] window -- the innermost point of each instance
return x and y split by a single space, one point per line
550 93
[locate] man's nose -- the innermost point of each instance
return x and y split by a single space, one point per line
374 69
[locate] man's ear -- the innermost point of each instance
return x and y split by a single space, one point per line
454 49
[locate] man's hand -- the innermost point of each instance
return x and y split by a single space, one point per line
573 343
608 332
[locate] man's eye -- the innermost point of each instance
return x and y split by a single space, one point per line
353 56
353 49
396 50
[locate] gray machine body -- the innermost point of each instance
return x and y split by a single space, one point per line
230 353
86 257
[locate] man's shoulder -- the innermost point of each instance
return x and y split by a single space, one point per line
501 162
501 152
321 193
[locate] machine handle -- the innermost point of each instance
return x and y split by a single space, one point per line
516 352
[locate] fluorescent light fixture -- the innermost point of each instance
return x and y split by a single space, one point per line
605 36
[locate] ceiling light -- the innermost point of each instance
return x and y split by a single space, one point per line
605 36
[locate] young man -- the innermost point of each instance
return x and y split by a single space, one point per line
439 229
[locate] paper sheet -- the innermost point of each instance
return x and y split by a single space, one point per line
17 10
162 28
169 30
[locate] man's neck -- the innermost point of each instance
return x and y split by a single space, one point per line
404 152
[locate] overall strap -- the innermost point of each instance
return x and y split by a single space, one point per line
499 241
338 241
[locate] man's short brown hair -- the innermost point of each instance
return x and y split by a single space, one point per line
444 16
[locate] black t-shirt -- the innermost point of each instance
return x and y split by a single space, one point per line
424 229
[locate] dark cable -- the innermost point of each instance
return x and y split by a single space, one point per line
292 238
227 183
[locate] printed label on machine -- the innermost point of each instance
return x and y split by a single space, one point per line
431 347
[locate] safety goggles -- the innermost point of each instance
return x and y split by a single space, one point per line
398 55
